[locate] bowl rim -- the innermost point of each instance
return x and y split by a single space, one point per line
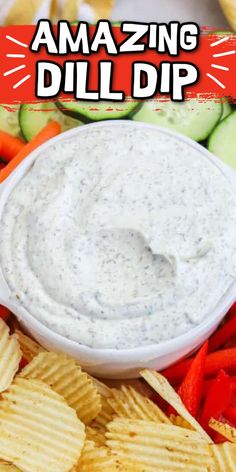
130 354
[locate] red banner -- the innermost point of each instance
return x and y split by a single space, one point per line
215 59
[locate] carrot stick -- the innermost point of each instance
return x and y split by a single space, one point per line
226 332
9 146
224 359
51 130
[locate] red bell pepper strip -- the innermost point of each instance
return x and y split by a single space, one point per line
191 389
230 414
207 385
23 363
218 438
232 310
233 388
226 332
217 400
4 313
224 359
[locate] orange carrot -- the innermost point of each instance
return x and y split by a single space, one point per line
9 146
51 130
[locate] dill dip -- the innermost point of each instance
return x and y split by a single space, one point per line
120 236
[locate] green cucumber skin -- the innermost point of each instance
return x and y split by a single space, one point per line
29 124
219 151
226 110
9 120
21 111
85 119
195 130
72 113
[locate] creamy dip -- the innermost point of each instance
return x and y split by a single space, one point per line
120 236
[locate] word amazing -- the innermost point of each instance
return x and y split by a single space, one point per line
147 78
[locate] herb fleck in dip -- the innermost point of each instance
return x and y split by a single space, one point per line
120 236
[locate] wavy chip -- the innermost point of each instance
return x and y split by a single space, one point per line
98 459
105 416
64 376
224 429
179 421
24 12
102 388
224 456
38 427
155 447
229 9
128 403
101 9
96 435
161 385
4 467
29 348
10 356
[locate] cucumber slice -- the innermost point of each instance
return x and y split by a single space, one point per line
193 118
99 111
227 109
222 141
34 117
9 119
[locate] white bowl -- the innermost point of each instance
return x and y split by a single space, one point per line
111 363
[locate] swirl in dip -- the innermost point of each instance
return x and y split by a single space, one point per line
120 236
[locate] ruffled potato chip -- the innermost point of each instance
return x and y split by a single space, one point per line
85 10
69 9
229 9
224 456
101 9
128 403
105 416
155 447
10 356
4 467
179 421
224 429
24 12
96 435
38 430
29 348
102 388
64 376
161 385
98 459
138 384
